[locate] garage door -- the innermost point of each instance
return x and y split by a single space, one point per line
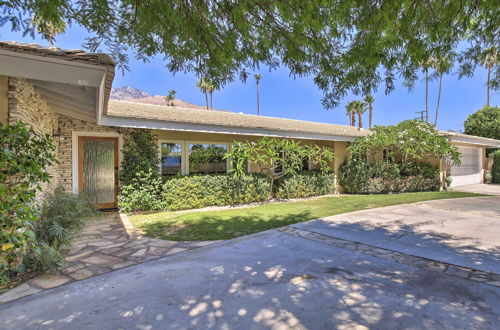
469 171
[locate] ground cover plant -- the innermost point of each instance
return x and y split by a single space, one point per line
231 223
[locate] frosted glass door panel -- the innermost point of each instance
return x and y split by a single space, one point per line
99 170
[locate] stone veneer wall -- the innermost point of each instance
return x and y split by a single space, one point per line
66 126
28 106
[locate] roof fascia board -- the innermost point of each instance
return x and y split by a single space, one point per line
49 59
474 140
188 127
49 69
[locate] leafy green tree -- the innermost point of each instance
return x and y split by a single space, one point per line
24 161
49 28
489 58
495 171
442 65
347 46
369 102
277 157
257 82
406 143
484 122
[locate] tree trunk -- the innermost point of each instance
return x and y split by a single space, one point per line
271 188
360 120
370 110
439 98
211 104
206 99
353 119
488 88
258 100
426 95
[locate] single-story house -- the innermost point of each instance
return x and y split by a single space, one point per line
65 93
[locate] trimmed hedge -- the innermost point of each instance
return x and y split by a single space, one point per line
381 177
305 184
195 191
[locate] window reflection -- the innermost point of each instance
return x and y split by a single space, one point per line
207 158
171 158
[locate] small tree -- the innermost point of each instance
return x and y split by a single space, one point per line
277 157
406 142
495 171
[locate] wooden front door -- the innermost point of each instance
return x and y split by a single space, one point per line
98 170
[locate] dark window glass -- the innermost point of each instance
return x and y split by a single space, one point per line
171 158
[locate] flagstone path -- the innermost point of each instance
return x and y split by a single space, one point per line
105 246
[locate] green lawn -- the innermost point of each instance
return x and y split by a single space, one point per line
226 224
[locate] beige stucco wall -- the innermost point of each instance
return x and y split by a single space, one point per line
27 105
4 100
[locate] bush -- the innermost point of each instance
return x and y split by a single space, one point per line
359 177
195 191
140 178
495 171
484 122
143 193
24 160
62 219
305 184
422 169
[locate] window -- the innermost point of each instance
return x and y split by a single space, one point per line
171 158
207 158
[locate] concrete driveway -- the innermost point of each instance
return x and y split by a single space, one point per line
481 188
463 232
292 278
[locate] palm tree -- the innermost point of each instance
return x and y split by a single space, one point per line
170 98
369 102
211 87
353 108
425 66
202 84
489 58
442 65
257 80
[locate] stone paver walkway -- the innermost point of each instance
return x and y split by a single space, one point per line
105 246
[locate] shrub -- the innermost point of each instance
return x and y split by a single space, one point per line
484 122
143 193
62 219
24 158
495 171
359 177
422 169
407 142
195 191
305 184
140 178
278 157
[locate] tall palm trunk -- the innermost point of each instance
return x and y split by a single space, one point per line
258 99
439 98
206 99
353 119
427 95
488 87
370 112
211 104
360 120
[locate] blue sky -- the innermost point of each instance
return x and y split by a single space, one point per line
283 96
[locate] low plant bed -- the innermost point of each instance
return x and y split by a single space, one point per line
227 224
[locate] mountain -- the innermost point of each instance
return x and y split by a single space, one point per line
131 94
